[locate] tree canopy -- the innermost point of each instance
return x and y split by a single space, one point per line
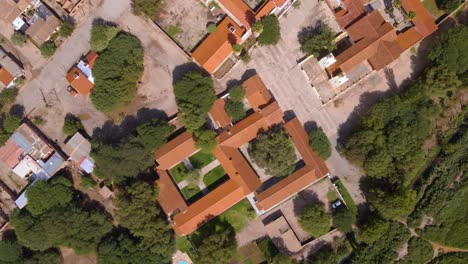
271 33
319 143
10 252
314 220
137 210
194 96
71 125
66 29
343 219
274 151
154 134
47 49
116 73
316 42
101 35
148 8
42 196
218 248
235 110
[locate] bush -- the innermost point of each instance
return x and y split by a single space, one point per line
101 35
316 43
11 123
274 151
448 5
211 28
194 96
237 93
48 49
116 73
271 33
319 143
314 220
66 29
343 219
237 48
8 96
147 8
71 125
18 38
235 110
87 182
268 249
419 251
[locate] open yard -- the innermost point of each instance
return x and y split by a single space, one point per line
214 177
191 192
186 21
201 159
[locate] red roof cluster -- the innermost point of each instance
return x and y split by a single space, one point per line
243 180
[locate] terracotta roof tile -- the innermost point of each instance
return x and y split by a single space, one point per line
423 20
169 197
240 11
173 152
217 47
5 76
209 206
91 58
256 92
265 10
10 154
353 11
218 113
79 81
408 38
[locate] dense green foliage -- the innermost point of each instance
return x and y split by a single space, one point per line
148 8
451 258
48 49
205 140
271 33
194 96
58 223
419 251
13 252
239 215
71 125
319 143
268 249
343 219
237 93
346 197
218 247
10 252
11 123
116 73
101 35
87 182
385 249
332 253
8 96
448 5
43 196
137 211
154 134
18 38
273 150
317 42
235 110
372 228
314 220
452 50
66 29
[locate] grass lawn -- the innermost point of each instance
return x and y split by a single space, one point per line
179 172
347 197
239 215
201 159
214 177
431 6
191 192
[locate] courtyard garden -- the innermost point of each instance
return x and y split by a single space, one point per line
191 192
214 177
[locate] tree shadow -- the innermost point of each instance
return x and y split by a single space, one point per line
17 110
182 69
103 22
303 199
310 125
112 133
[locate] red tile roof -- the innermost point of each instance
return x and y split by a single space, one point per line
265 9
169 197
217 47
423 20
240 11
79 81
5 76
256 92
353 11
175 151
91 58
10 154
218 113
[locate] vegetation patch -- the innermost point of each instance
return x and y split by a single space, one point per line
214 177
239 215
101 35
319 143
116 73
173 30
419 251
71 125
191 192
146 8
346 197
179 172
314 220
318 41
271 31
273 151
200 159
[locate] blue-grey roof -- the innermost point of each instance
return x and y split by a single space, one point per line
53 164
21 141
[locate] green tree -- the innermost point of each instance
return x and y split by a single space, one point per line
319 143
44 196
395 205
147 8
274 151
119 162
237 93
419 251
48 49
194 96
218 248
316 43
235 110
315 220
451 258
101 35
8 96
372 228
67 28
343 219
116 73
50 256
71 125
87 182
10 252
154 134
206 140
211 28
271 32
448 5
11 123
451 49
137 210
18 38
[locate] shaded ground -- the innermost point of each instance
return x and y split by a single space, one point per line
69 257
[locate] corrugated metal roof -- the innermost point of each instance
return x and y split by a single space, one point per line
21 141
53 164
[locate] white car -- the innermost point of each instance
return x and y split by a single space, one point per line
336 204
